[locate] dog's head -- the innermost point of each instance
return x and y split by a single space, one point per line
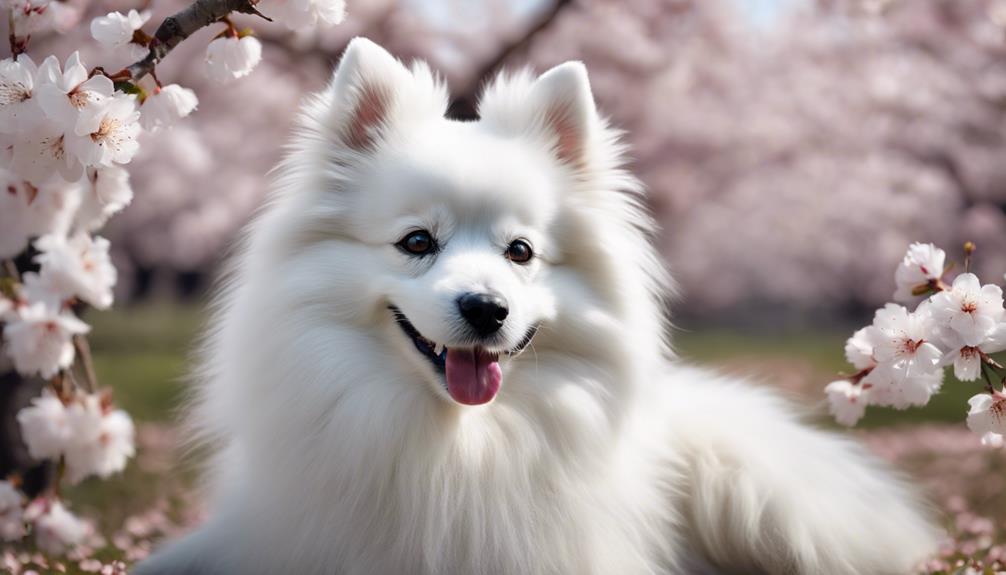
460 245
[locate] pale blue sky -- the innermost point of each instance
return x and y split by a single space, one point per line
765 11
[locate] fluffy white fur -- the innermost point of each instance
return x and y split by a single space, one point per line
336 449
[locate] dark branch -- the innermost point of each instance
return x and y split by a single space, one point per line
180 26
463 106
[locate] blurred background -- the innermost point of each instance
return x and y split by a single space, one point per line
792 149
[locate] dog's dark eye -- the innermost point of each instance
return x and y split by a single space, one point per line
519 251
418 243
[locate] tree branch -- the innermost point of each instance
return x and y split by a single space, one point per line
180 26
463 106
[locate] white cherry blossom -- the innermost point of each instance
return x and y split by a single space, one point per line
847 401
922 264
37 287
230 57
901 340
967 359
106 134
993 440
44 426
78 266
39 339
11 512
27 210
106 192
301 14
102 440
859 349
970 309
889 387
58 530
54 207
19 109
167 105
42 152
988 415
115 30
64 93
31 16
16 227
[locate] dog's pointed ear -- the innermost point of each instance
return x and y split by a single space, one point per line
558 105
367 87
567 109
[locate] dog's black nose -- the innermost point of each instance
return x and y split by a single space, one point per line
483 311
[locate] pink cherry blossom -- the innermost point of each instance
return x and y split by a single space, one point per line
847 401
39 339
922 264
78 266
19 110
988 415
11 512
44 426
102 441
902 340
969 308
165 106
57 529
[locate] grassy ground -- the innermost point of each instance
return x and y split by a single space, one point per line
143 354
803 363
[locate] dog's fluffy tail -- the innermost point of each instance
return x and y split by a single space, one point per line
764 489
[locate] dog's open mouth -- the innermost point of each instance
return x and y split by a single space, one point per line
472 374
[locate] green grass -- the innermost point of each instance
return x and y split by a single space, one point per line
143 354
824 353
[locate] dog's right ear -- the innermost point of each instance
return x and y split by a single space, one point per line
371 91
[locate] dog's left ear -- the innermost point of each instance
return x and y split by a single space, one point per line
558 105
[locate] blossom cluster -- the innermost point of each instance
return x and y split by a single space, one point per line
90 436
67 133
902 355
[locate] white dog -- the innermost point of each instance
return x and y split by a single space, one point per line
442 351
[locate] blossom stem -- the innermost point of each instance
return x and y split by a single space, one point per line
986 367
18 46
969 248
157 82
987 359
857 377
84 352
60 385
10 268
58 482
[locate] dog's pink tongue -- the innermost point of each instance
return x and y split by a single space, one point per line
473 376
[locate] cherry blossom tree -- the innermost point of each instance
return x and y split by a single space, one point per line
790 165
